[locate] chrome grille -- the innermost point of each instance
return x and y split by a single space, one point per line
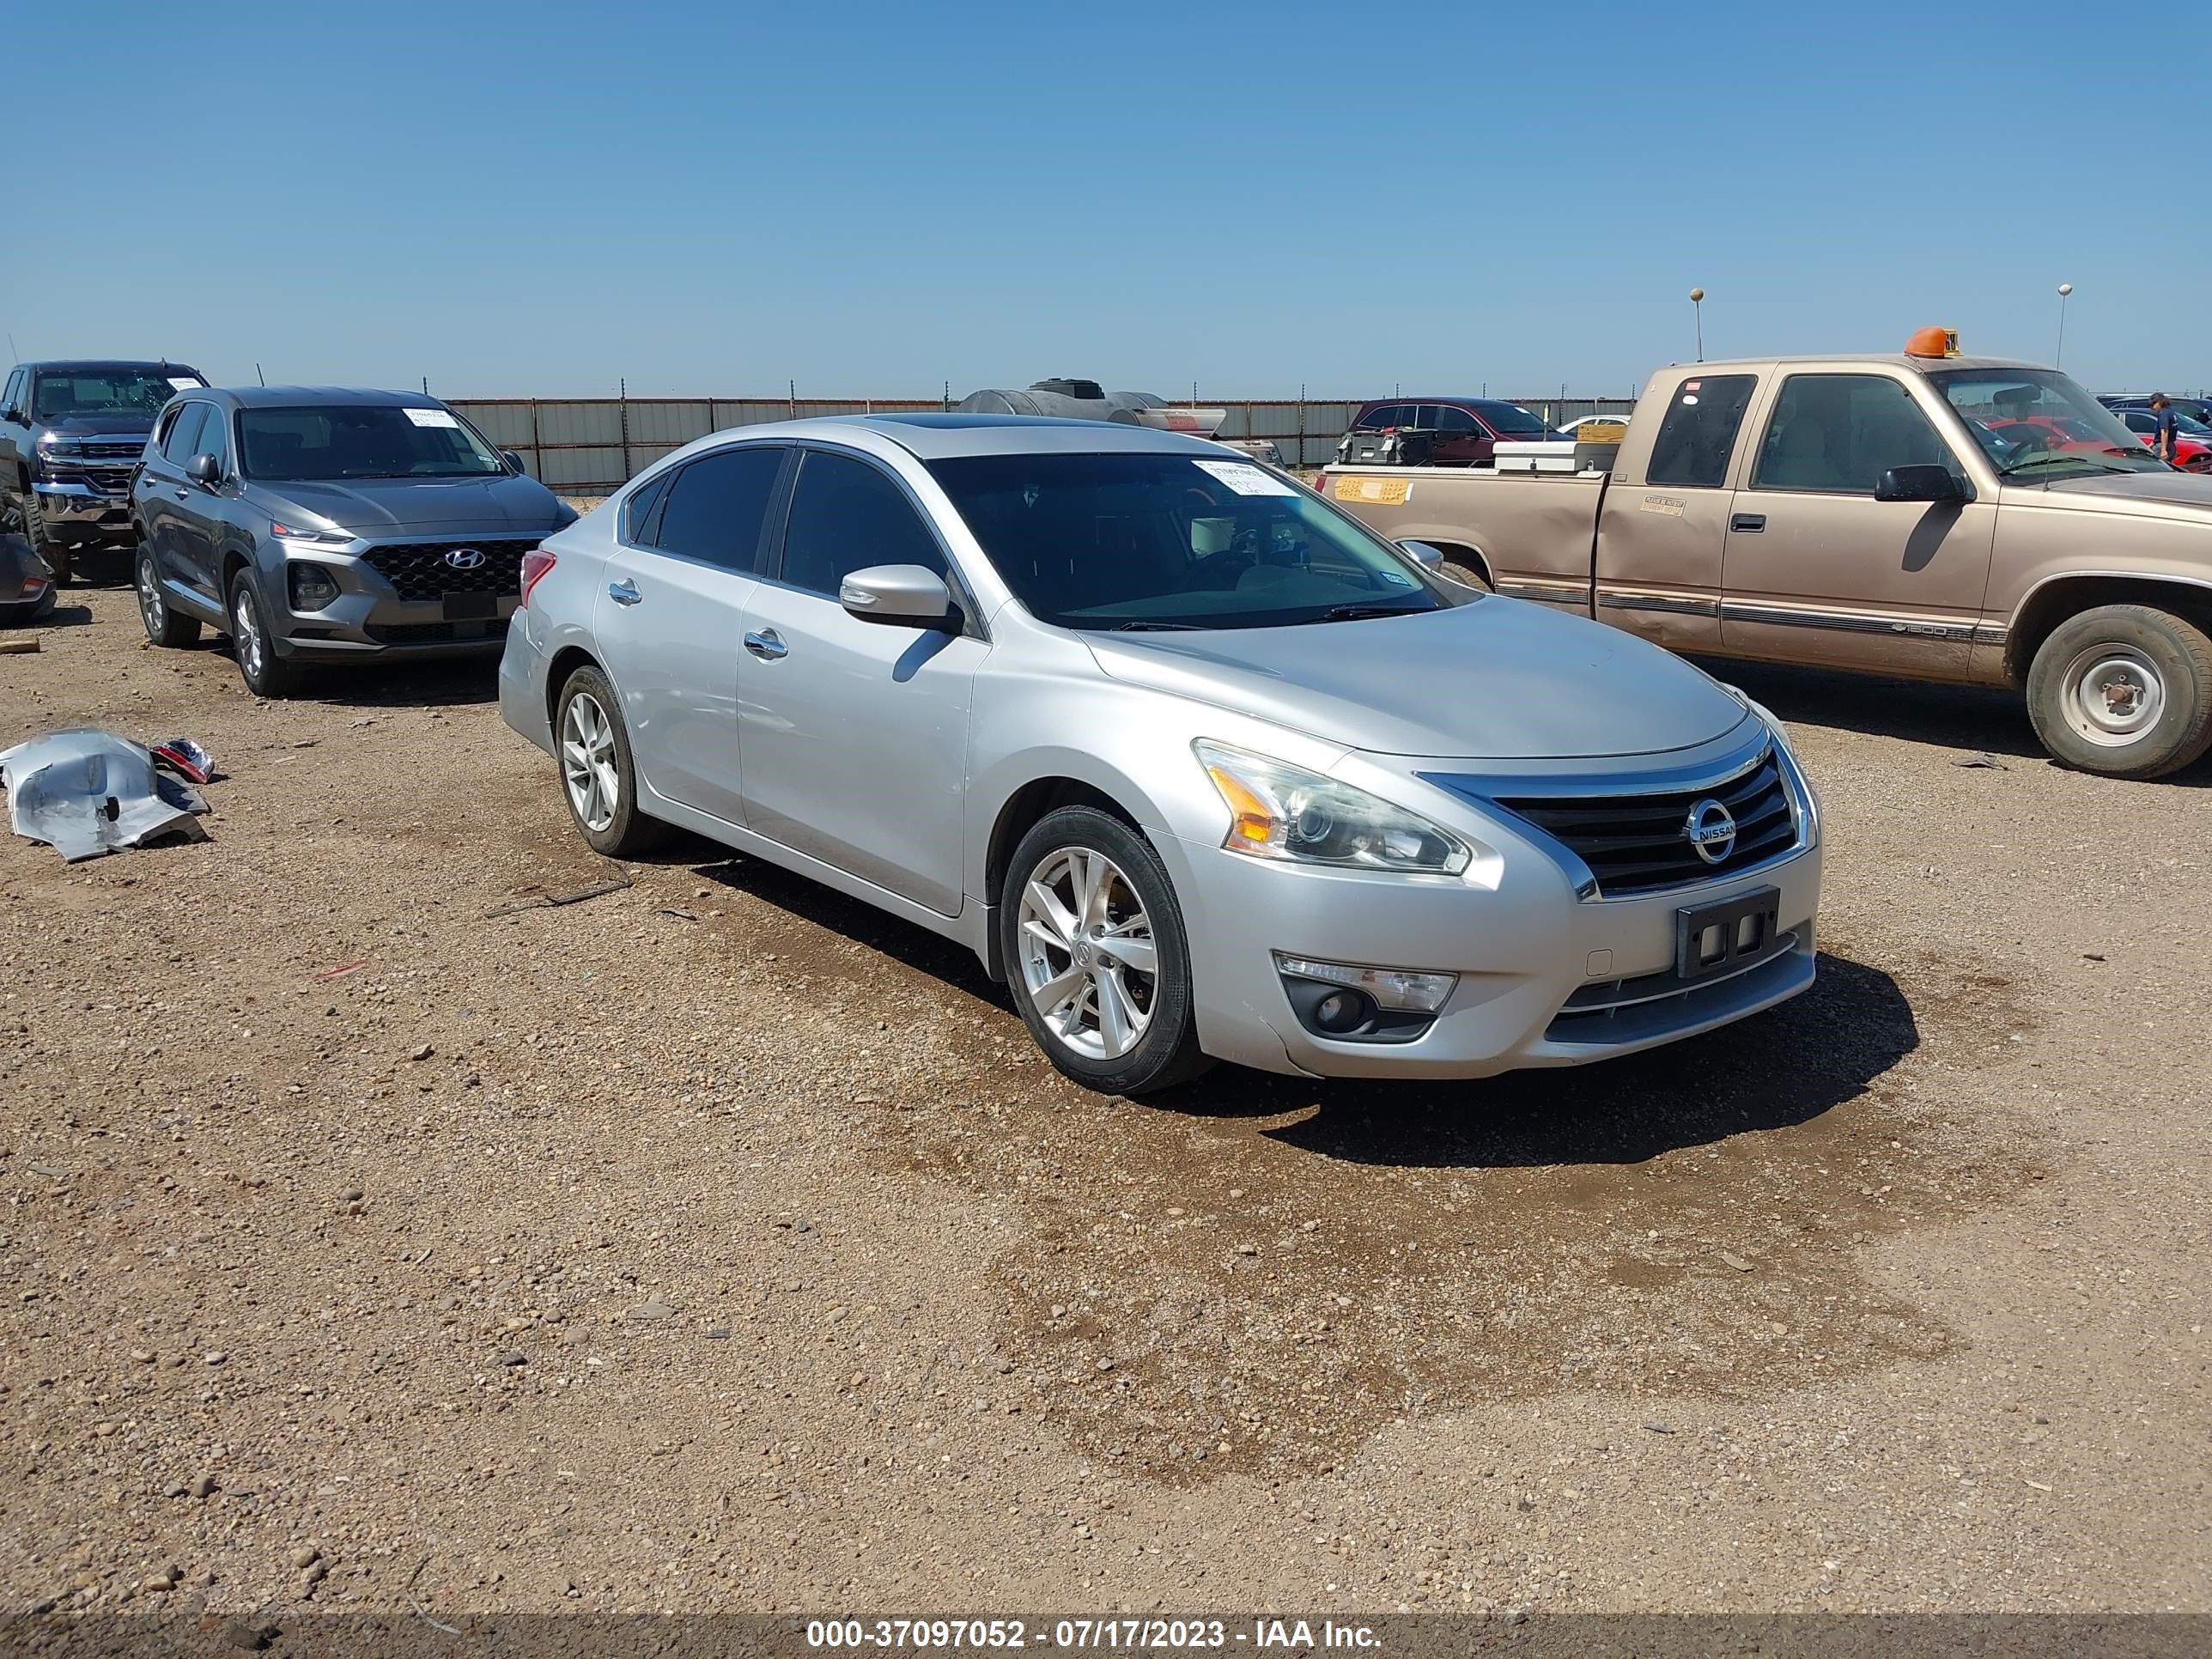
1638 843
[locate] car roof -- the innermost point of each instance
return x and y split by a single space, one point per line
108 365
1845 360
1444 397
931 436
299 397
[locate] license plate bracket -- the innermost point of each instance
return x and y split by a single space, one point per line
1711 938
472 607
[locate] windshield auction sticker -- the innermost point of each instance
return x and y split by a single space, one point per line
430 417
1245 478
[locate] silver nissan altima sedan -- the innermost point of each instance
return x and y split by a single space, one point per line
1200 767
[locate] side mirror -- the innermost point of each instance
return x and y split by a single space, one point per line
905 595
513 462
1920 483
205 469
1428 557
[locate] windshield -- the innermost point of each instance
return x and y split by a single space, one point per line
109 392
2037 424
339 441
1511 421
1155 541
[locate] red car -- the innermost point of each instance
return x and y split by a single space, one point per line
2193 440
2063 432
1438 431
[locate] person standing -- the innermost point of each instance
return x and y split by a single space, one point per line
2166 436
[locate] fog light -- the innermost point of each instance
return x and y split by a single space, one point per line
1342 1010
313 586
1395 988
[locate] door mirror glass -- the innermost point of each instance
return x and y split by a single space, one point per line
1428 557
206 470
1919 484
513 462
901 593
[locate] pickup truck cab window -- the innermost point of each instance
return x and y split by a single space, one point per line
1697 435
1838 434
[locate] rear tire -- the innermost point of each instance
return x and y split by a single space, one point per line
2123 690
1082 889
265 673
163 626
599 775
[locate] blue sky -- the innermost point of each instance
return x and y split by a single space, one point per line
876 198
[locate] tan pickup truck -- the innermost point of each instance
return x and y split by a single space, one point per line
1925 515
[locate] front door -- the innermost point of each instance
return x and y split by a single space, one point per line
669 614
163 489
855 733
1818 571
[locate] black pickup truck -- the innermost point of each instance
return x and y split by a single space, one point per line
70 434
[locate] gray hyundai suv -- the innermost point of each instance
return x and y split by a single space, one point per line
323 523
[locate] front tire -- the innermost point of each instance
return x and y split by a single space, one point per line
1096 957
2123 690
599 775
265 673
58 559
163 626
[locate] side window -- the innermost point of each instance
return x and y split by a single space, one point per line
1382 417
181 445
637 513
11 399
1839 433
1457 423
715 507
215 437
1699 433
846 516
2140 421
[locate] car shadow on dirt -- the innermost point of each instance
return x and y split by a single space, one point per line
1976 717
62 615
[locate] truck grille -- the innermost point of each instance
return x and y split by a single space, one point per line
418 571
120 449
1637 843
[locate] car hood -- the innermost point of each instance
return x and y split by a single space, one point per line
116 423
457 507
2116 493
1496 679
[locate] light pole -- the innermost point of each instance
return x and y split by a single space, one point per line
1697 311
2065 289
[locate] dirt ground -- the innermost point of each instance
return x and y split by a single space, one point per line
719 1245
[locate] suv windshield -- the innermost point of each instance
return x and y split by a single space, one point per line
62 393
2037 424
369 441
1157 541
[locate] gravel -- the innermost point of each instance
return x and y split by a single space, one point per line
1892 1298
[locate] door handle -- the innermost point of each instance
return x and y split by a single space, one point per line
184 494
624 593
766 645
1747 524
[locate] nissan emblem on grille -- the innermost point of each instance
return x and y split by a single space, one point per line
1711 828
468 558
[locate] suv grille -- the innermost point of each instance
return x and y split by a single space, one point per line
419 571
1637 843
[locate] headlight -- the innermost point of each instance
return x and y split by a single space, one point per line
71 447
310 535
1278 810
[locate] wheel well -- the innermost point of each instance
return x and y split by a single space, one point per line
566 662
2052 604
1025 807
1460 553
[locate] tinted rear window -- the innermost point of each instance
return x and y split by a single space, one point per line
1699 433
717 505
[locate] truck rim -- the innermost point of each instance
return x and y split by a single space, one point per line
2114 696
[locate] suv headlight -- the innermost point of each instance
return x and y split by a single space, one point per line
1278 810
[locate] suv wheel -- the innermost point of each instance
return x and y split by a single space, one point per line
265 673
599 778
1096 957
34 532
163 625
2124 690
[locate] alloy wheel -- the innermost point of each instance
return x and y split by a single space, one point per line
152 610
588 761
252 650
1088 960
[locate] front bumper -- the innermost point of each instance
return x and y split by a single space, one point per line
80 512
1545 978
368 620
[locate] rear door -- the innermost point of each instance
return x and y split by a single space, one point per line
162 490
1817 570
855 733
1660 539
669 612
